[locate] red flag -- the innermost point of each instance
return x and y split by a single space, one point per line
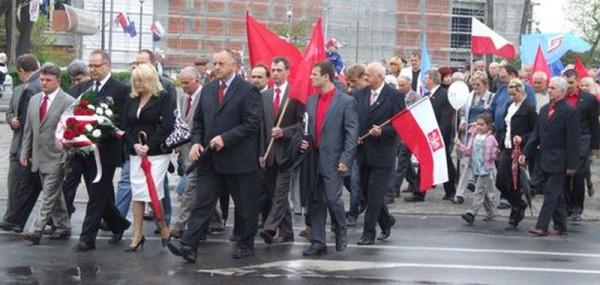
540 64
580 68
313 53
420 132
264 45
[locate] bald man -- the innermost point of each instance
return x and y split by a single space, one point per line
540 86
377 153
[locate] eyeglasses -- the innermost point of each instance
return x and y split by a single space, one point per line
96 65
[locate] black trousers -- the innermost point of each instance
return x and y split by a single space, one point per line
553 207
101 204
575 187
375 183
266 190
24 188
450 185
243 190
404 169
504 183
72 180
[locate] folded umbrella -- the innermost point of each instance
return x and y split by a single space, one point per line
147 168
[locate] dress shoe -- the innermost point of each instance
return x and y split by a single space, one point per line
216 229
239 252
267 236
351 221
10 227
283 239
446 197
315 251
458 200
414 199
489 218
407 190
178 248
34 237
176 234
468 217
84 246
60 235
511 228
538 232
341 241
387 231
306 232
116 238
365 241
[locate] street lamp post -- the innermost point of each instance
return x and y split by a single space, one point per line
141 31
289 15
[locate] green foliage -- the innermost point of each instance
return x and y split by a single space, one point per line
298 32
585 16
121 76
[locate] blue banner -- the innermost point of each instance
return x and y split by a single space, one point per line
554 45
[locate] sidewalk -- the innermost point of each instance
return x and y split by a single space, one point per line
433 205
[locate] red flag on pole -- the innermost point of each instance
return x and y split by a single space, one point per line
313 53
580 68
540 64
264 45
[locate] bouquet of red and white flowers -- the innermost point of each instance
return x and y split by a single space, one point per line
85 124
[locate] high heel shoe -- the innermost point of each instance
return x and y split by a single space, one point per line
139 244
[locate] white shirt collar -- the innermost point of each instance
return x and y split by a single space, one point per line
102 82
51 97
283 88
378 90
229 80
193 95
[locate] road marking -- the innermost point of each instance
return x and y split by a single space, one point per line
394 247
309 266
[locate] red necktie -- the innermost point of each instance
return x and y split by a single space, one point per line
188 105
551 110
43 107
221 94
276 101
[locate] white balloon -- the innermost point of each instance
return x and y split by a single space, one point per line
458 94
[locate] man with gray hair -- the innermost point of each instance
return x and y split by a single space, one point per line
404 169
558 153
540 86
376 153
444 115
43 115
80 77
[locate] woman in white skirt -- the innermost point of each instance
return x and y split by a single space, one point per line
149 110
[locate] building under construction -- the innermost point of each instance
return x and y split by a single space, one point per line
366 29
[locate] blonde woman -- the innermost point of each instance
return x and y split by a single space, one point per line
149 110
588 85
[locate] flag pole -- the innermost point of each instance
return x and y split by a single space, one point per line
283 111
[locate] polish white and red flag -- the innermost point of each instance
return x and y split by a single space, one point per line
485 41
419 130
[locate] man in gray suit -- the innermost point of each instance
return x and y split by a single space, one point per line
40 146
275 177
23 186
333 125
190 82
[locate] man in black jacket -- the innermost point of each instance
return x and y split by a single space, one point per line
557 134
444 115
587 107
225 134
101 194
377 153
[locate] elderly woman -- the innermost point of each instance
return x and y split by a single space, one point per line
588 85
148 120
478 103
520 120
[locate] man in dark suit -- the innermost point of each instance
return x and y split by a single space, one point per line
333 125
557 134
276 175
225 134
444 115
587 107
377 153
24 187
101 194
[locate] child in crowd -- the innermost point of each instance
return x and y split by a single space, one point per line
482 148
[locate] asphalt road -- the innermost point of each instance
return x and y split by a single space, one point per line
423 250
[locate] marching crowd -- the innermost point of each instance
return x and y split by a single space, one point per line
253 142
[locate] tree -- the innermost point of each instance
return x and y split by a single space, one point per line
297 33
585 15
